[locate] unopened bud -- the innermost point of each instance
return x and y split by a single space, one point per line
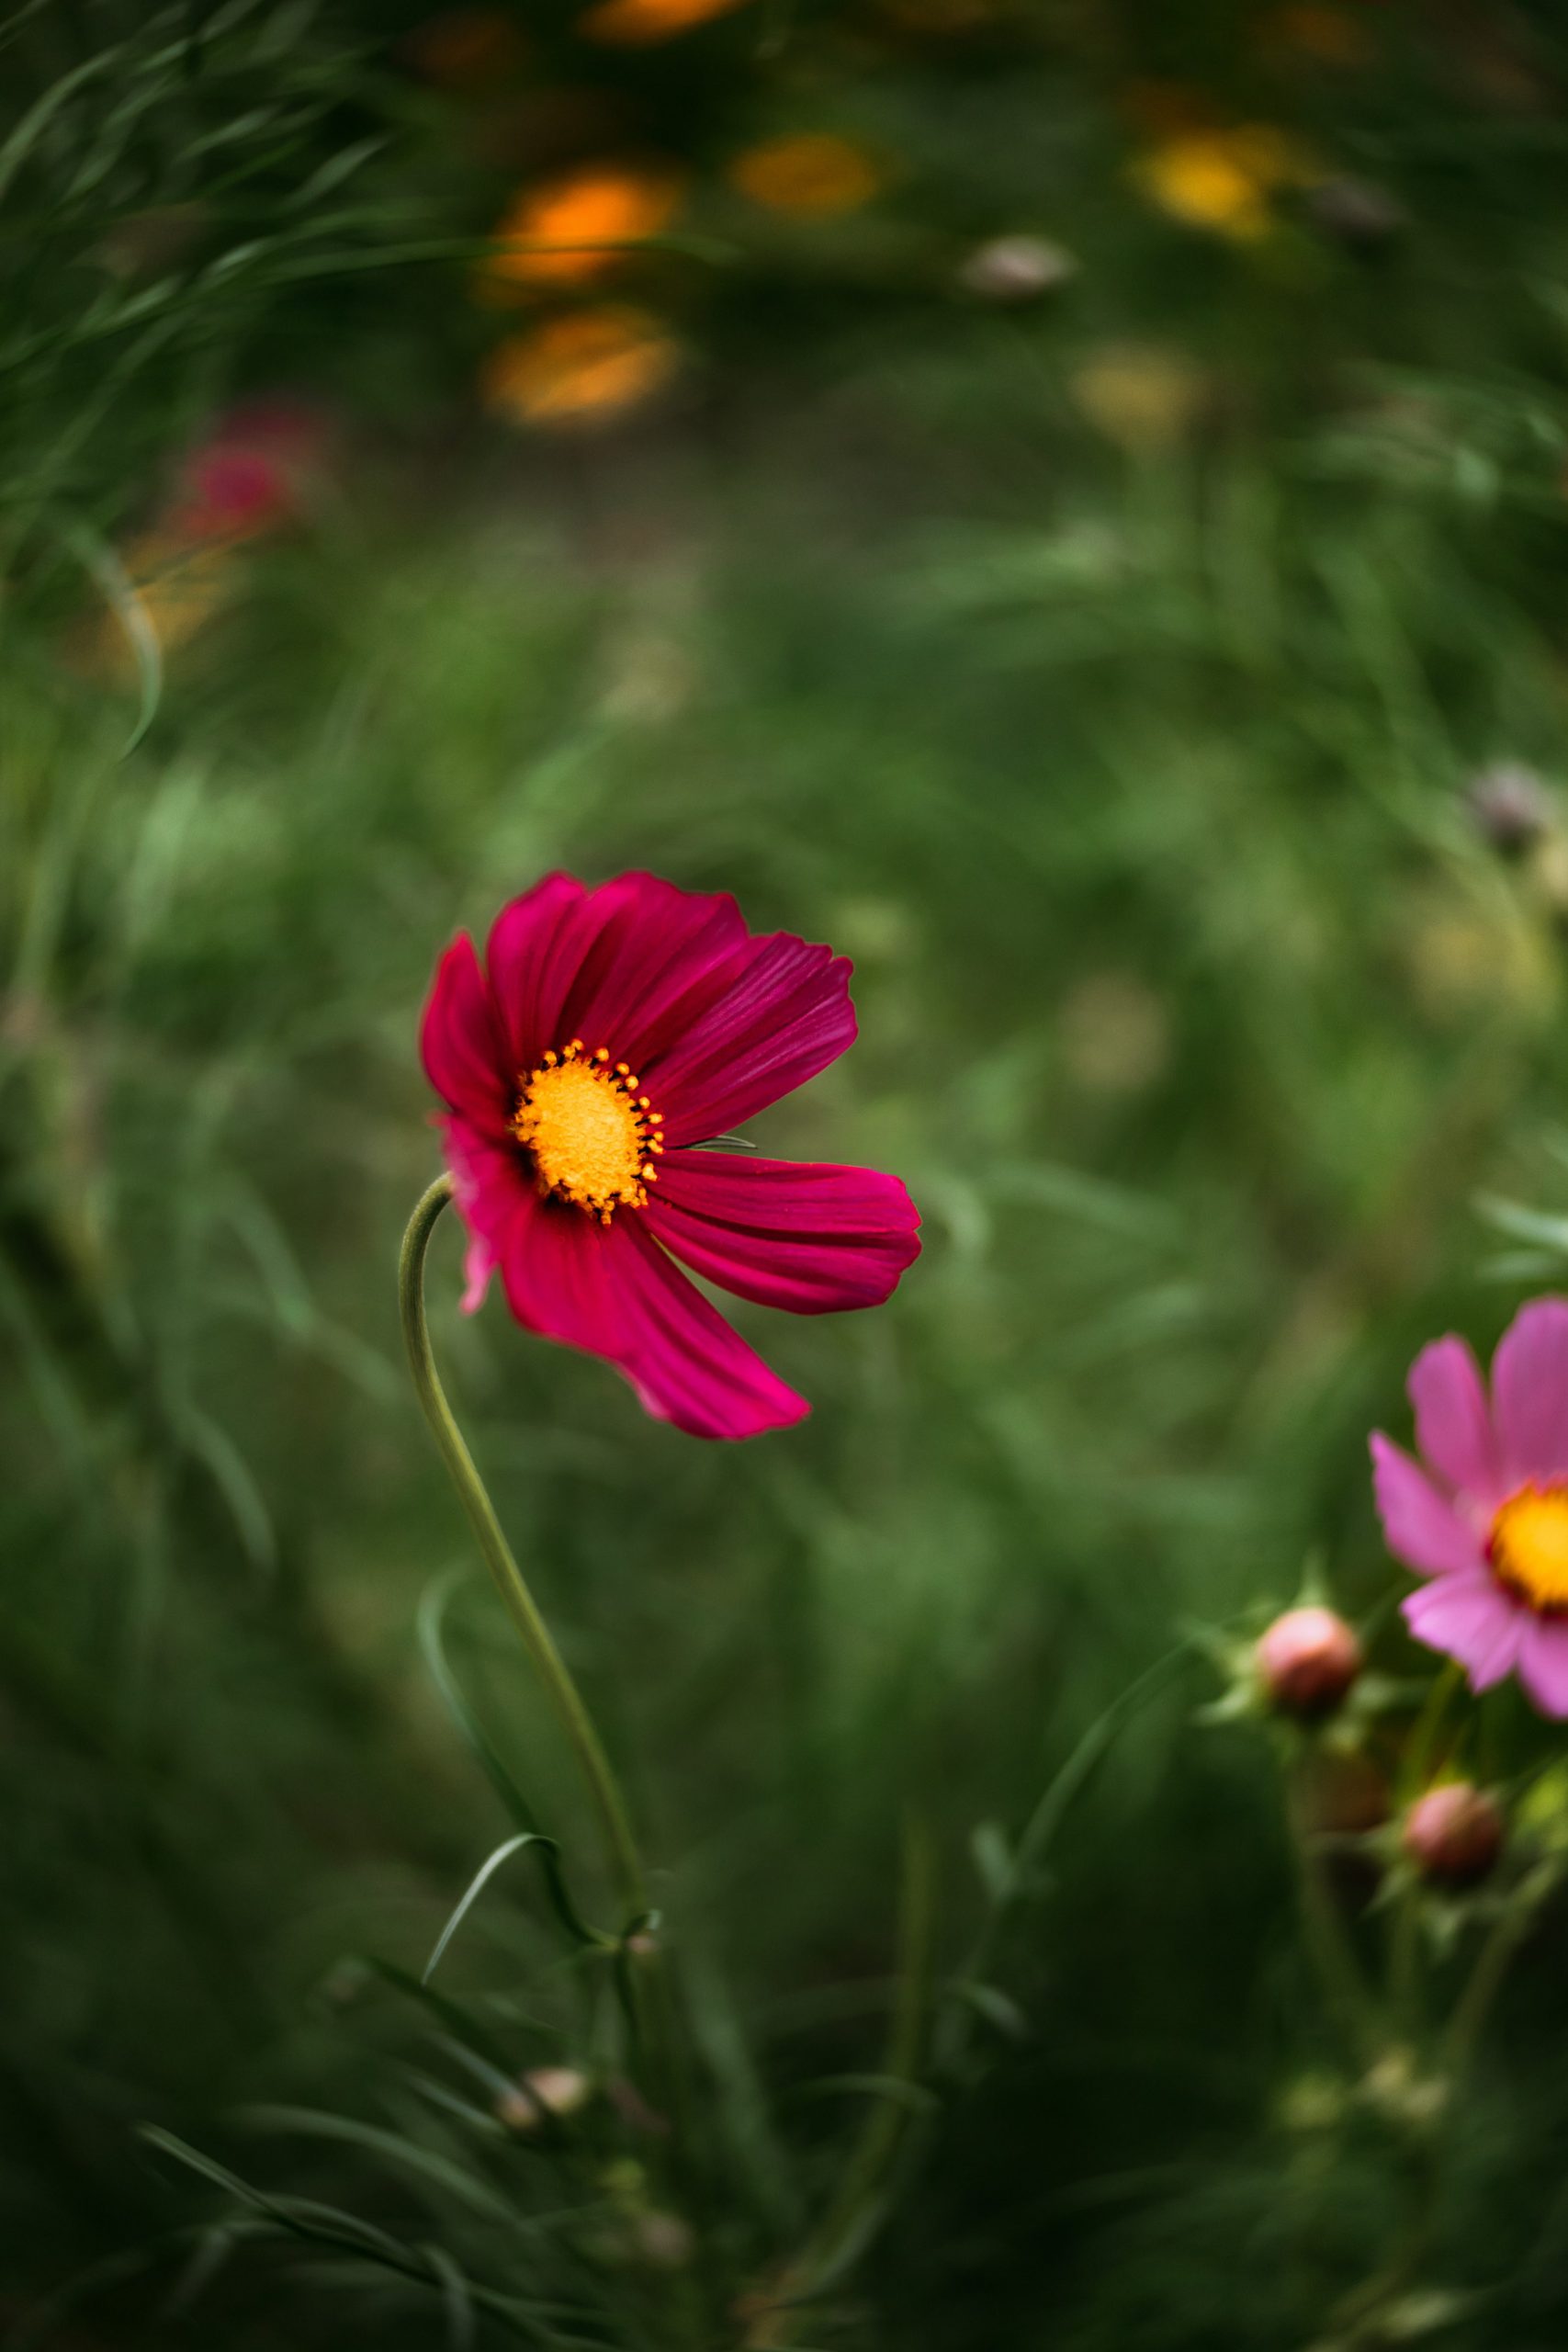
557 2091
663 2240
1509 805
1454 1834
1017 269
1307 1661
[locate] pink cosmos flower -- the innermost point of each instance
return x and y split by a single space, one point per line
606 1035
252 472
1484 1515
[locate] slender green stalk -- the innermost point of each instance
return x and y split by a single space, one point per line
1344 1986
856 2209
1423 1744
1474 2004
615 1824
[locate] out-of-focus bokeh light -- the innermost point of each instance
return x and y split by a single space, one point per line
813 175
468 50
1225 180
633 24
577 226
579 369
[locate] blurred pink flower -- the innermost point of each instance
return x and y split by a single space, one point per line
1484 1515
252 472
608 1032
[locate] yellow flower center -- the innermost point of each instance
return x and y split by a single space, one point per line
1528 1545
591 1136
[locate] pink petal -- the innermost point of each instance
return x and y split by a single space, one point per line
1453 1423
775 1015
611 1291
1421 1527
492 1189
557 1269
479 1262
533 954
460 1043
1543 1664
1491 1661
657 959
717 1022
1529 1392
684 1361
1473 1620
809 1237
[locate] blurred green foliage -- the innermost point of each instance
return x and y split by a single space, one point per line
1102 673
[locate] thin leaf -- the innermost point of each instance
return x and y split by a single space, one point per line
313 2123
487 1871
432 1640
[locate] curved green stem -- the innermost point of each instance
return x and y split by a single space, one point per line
619 1844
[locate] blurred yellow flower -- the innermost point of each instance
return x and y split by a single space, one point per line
1460 958
467 48
1223 180
577 370
179 586
813 174
1140 395
633 23
577 226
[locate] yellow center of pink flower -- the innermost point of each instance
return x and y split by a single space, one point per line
1528 1545
591 1136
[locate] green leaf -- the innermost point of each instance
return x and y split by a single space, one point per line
480 1880
997 2007
993 1859
314 2123
432 1623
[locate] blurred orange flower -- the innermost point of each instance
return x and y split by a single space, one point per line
632 23
1331 36
813 173
579 369
467 48
577 226
1225 180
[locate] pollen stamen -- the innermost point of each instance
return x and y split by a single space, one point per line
587 1130
1528 1547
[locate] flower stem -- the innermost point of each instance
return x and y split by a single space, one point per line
620 1846
1339 1971
1474 2005
859 2206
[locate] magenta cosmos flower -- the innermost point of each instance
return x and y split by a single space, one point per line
607 1033
1484 1515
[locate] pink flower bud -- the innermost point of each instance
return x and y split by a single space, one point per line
1307 1661
1509 805
1454 1834
559 2091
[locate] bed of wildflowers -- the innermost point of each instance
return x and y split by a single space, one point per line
861 707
